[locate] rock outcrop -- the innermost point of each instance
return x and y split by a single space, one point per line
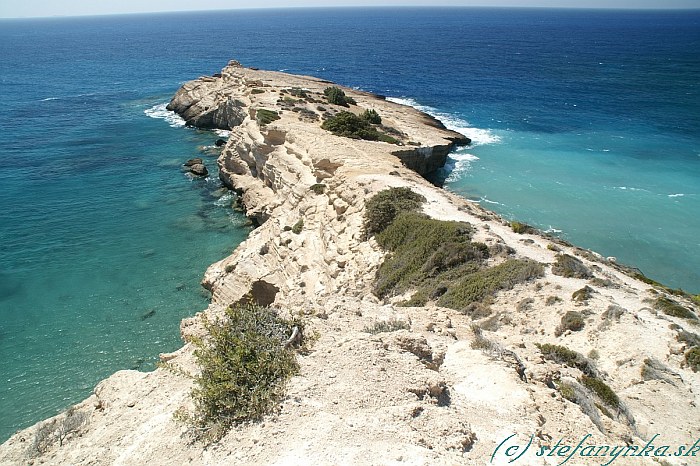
445 388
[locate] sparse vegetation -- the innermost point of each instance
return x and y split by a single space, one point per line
422 247
570 267
488 281
336 96
265 117
689 338
245 364
573 391
318 188
602 390
349 125
603 282
673 309
386 326
298 227
583 295
567 391
564 355
58 429
525 305
384 206
521 228
551 300
613 312
435 258
692 358
257 91
572 320
298 92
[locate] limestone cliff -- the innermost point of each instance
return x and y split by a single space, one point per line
451 387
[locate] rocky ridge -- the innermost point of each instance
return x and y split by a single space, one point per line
448 388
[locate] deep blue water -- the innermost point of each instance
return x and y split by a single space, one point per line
584 122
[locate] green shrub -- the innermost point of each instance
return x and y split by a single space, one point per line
336 96
520 228
570 267
435 258
564 355
298 92
572 320
486 282
692 358
349 125
602 390
672 308
419 244
244 368
582 295
567 391
318 188
371 116
384 206
551 300
296 229
386 138
689 338
257 91
391 325
265 117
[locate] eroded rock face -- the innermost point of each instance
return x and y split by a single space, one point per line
200 105
448 387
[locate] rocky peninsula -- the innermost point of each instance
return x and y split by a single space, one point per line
580 350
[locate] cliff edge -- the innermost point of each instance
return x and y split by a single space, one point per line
450 386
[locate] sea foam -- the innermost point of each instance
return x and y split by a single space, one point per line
478 136
159 111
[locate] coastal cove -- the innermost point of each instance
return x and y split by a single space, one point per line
620 179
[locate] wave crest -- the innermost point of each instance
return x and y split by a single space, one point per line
478 136
160 112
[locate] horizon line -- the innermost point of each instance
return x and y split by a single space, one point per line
374 7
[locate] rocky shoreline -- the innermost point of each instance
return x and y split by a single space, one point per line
449 386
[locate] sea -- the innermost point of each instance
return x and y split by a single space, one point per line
585 124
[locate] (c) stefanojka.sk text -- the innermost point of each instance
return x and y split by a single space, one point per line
598 454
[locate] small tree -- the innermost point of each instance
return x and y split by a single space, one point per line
371 116
336 96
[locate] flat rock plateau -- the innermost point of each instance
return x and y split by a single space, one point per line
448 388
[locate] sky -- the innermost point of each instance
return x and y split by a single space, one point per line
38 8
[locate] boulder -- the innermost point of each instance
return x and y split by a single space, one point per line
220 142
191 162
199 169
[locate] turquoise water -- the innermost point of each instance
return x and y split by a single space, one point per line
104 243
614 207
585 123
